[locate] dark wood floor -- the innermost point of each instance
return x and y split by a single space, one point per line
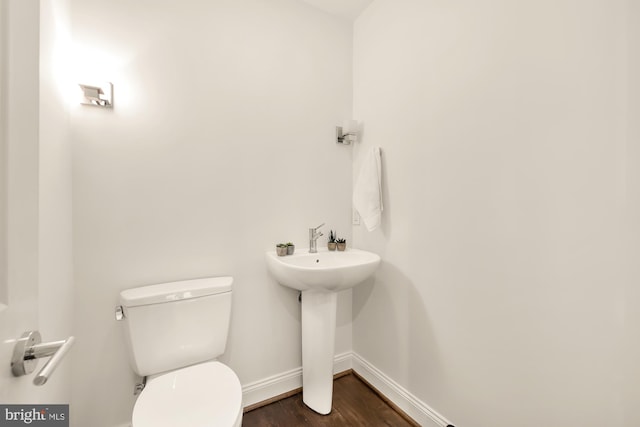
354 404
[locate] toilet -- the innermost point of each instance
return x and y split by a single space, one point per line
174 332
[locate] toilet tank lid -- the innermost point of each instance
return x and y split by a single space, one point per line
175 291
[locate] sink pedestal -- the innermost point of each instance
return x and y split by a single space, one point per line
318 345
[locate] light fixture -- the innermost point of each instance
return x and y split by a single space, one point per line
97 95
347 133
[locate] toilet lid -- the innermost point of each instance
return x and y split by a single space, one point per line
203 395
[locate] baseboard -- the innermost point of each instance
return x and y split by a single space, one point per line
287 383
342 362
398 395
281 385
267 388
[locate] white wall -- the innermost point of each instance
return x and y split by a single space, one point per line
219 146
500 301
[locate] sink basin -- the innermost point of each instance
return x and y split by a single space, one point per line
319 277
330 271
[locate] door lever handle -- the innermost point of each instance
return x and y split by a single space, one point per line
29 349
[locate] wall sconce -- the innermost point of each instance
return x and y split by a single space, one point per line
347 133
97 96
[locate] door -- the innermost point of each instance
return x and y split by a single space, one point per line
19 118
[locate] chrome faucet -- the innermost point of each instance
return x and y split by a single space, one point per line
313 237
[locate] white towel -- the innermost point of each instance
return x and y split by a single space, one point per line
367 194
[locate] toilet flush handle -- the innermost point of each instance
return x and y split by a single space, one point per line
119 313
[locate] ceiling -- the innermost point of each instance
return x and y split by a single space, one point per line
348 9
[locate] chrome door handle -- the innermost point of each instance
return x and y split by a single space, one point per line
29 349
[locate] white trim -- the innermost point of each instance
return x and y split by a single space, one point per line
423 414
261 390
410 404
267 388
342 362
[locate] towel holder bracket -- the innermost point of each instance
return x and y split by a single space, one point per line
344 138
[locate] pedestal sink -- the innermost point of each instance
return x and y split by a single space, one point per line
320 276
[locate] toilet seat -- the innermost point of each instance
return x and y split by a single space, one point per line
204 395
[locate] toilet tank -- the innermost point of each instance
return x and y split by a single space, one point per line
177 324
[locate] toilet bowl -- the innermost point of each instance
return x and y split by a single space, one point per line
175 332
204 395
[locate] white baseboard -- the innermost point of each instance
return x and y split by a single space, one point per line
342 362
276 385
401 397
